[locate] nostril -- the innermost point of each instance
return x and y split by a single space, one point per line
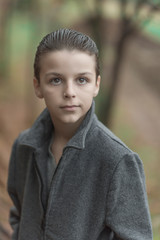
68 94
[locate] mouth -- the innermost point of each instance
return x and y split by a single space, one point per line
70 107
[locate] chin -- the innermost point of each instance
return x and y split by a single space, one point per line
72 120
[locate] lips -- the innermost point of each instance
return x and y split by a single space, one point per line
70 107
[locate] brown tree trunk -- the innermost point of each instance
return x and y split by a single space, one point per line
127 31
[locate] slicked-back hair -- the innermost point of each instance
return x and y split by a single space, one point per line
65 39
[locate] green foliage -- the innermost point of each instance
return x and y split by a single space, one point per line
151 26
156 236
23 5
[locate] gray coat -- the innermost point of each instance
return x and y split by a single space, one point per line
97 190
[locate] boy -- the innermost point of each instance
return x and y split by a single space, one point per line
70 178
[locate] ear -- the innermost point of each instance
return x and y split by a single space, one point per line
37 88
97 86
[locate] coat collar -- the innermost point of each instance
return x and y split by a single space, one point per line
78 140
42 129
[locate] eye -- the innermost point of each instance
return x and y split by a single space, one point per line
82 81
55 81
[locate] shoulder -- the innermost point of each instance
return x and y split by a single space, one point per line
22 138
107 143
109 154
38 132
107 137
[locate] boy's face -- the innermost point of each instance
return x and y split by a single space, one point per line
68 84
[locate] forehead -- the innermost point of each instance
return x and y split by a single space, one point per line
67 60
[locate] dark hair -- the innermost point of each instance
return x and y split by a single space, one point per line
65 39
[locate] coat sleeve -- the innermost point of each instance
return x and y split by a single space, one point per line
14 217
127 212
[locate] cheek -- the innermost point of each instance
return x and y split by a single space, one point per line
88 92
50 92
50 97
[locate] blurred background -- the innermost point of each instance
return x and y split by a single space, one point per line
127 33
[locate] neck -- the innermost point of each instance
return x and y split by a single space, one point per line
64 132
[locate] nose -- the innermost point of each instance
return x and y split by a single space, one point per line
69 91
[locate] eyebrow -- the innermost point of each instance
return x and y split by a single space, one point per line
53 73
58 74
85 73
